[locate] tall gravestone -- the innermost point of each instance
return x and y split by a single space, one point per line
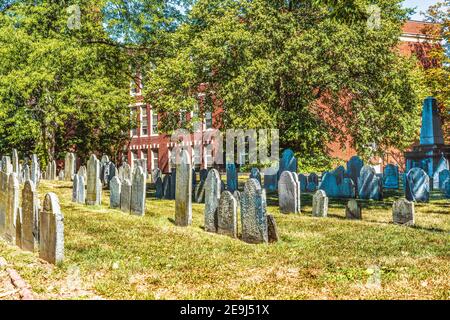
26 173
69 166
183 194
212 197
159 188
320 204
403 212
18 226
288 193
227 215
94 185
354 166
125 196
303 180
329 185
30 218
444 175
75 186
369 184
232 177
115 188
12 205
51 226
82 172
125 172
166 186
138 191
3 201
390 177
417 187
253 213
35 172
15 162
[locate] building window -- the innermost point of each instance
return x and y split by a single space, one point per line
208 120
144 121
208 156
154 122
134 125
134 156
155 158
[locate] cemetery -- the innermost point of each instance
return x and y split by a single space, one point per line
98 232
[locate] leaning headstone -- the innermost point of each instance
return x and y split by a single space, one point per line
232 177
30 217
403 212
227 215
417 187
94 186
253 213
125 196
115 188
288 193
12 205
369 184
390 177
183 194
353 210
69 166
442 165
15 162
51 226
255 174
354 166
212 197
138 191
272 230
159 188
320 204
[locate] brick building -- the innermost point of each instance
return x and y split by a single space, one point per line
156 147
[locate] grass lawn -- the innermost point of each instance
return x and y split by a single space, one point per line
113 255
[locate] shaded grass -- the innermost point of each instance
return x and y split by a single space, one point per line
120 256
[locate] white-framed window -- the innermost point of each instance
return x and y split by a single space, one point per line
155 158
144 121
208 156
154 118
208 120
144 154
133 119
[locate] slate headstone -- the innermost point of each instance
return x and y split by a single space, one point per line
369 184
353 210
30 217
232 177
288 193
183 194
253 213
115 188
212 197
417 187
227 215
403 212
320 204
51 227
390 177
125 196
272 230
138 191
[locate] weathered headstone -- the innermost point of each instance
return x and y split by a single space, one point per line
253 213
30 217
94 186
26 173
232 177
125 172
442 165
212 197
83 172
354 166
303 182
288 162
6 164
329 185
156 173
347 189
320 204
138 191
313 182
51 227
183 194
15 162
18 225
369 184
3 201
255 174
403 212
417 185
288 193
12 205
272 230
112 172
199 192
227 215
115 188
81 188
390 177
125 196
444 175
159 188
353 210
340 174
75 187
166 186
173 186
69 166
35 172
